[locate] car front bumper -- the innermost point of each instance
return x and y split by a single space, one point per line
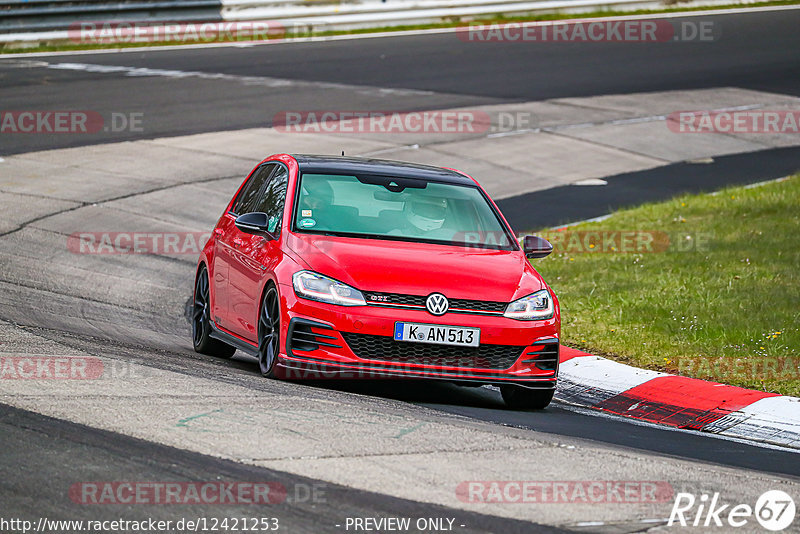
338 342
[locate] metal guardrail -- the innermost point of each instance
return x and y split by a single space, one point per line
43 15
29 21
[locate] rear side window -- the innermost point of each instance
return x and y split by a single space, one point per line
249 196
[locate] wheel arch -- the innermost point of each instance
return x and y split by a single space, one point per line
264 290
201 264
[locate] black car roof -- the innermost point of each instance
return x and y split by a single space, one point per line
380 167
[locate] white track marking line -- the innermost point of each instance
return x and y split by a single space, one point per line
246 80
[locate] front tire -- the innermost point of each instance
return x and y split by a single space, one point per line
201 321
269 333
520 398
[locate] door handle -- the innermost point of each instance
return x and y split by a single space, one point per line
219 231
238 242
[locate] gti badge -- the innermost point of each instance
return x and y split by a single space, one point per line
437 304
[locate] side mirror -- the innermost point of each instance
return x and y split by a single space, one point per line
536 247
254 223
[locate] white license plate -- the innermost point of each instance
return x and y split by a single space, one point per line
435 333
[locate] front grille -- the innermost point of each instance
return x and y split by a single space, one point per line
397 299
478 305
394 298
386 349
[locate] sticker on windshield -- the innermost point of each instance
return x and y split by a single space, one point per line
307 223
305 213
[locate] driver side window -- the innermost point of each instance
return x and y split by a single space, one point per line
273 199
249 196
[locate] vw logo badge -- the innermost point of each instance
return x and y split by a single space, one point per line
437 304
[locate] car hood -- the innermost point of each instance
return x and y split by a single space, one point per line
418 268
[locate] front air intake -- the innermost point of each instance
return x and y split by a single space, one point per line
543 355
305 335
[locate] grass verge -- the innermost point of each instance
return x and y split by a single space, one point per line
709 286
455 22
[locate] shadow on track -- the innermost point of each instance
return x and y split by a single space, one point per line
561 419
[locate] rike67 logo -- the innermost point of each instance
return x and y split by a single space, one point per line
774 510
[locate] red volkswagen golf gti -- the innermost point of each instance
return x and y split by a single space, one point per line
359 268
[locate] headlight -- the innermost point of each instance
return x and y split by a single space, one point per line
313 286
535 307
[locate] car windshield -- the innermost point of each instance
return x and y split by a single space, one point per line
398 208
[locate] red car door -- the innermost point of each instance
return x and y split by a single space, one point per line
228 241
254 258
219 270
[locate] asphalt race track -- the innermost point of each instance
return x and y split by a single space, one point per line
428 72
565 204
108 454
378 449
